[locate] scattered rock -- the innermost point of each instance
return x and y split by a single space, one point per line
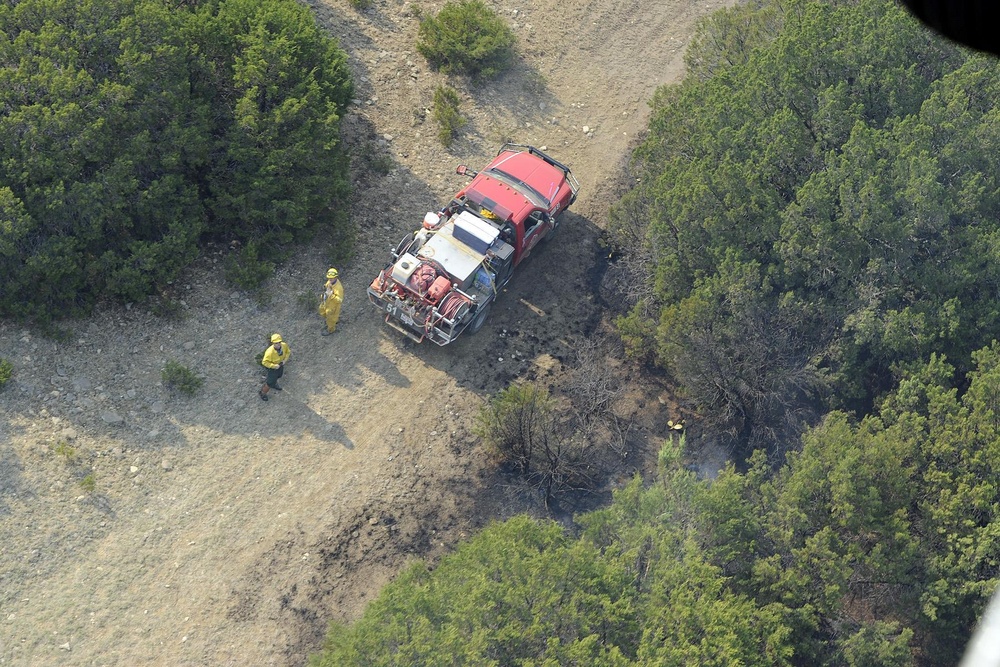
166 464
157 407
111 417
189 345
68 434
133 469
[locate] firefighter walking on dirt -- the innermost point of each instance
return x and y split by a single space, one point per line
274 360
333 296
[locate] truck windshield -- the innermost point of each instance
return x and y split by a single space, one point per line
525 189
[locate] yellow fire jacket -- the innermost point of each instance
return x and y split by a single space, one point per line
272 357
333 292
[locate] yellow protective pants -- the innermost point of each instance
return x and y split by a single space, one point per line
330 311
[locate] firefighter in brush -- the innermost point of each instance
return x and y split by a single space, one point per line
332 297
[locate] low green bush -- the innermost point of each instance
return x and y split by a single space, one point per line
246 269
89 483
65 450
181 378
6 372
466 37
167 308
450 121
308 301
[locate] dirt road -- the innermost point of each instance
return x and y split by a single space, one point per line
138 527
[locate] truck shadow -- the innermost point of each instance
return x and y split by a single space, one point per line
550 300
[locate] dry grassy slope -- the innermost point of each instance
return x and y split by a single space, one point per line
223 531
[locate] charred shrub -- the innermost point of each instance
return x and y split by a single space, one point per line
519 426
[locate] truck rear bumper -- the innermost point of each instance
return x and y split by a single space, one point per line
398 317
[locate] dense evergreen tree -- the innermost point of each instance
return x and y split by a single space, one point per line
818 204
877 543
521 593
131 129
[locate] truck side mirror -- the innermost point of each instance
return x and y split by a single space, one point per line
461 169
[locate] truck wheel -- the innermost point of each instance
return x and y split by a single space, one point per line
403 244
479 319
504 276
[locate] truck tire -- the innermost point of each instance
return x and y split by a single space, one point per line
479 319
406 241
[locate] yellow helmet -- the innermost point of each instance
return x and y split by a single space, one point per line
332 274
275 338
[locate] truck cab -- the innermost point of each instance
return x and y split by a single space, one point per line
524 190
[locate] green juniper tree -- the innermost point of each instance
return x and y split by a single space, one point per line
133 129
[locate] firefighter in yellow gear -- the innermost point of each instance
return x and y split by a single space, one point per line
275 356
333 296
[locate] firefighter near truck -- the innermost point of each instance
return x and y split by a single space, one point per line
442 279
